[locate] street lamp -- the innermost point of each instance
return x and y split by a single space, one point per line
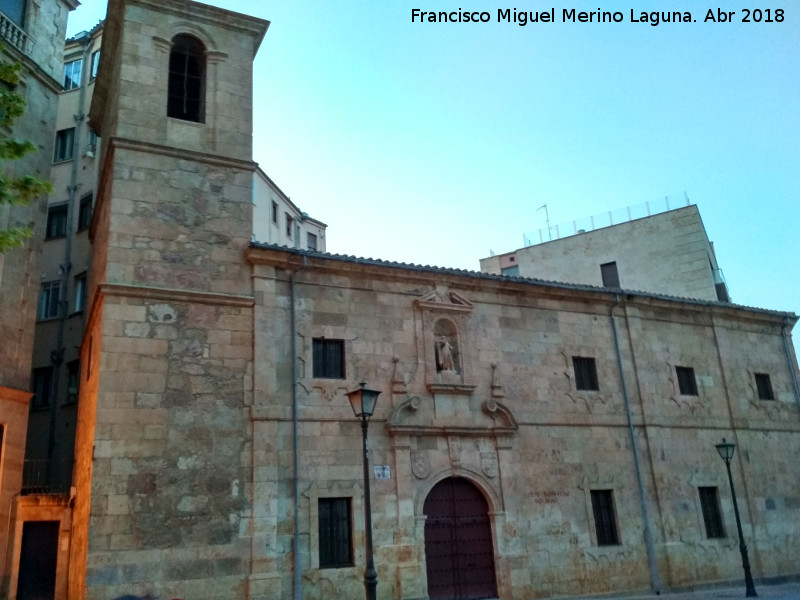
725 450
363 402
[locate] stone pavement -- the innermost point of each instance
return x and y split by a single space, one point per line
786 591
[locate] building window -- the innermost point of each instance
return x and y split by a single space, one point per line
56 222
335 526
41 387
187 65
687 385
91 143
610 275
85 212
94 64
312 241
289 225
709 503
73 381
64 142
328 358
764 387
275 212
14 10
585 373
80 292
605 519
72 74
48 300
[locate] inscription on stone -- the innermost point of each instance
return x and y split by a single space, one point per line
547 496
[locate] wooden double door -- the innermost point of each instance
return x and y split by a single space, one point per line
458 542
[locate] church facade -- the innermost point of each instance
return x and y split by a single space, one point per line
531 439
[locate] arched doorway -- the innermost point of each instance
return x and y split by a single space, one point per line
458 542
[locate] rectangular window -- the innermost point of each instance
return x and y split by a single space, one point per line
585 373
85 212
48 300
610 275
14 10
72 74
605 519
56 222
73 381
80 292
41 386
328 358
687 385
275 212
709 503
764 387
64 142
94 64
91 142
335 526
312 241
289 225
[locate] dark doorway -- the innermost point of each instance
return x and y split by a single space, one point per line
37 561
458 542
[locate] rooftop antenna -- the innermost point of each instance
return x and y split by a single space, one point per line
547 218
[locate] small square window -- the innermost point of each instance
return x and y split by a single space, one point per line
328 358
85 212
312 241
289 225
335 538
764 387
605 518
712 517
585 373
64 142
56 222
72 74
687 384
608 272
94 64
48 300
41 384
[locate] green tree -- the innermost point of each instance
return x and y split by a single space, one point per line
19 189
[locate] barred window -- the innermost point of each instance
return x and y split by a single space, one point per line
585 373
335 526
605 518
186 87
328 358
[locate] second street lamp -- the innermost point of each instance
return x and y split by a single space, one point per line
725 450
363 402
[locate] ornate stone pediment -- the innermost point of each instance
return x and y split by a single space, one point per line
418 416
442 300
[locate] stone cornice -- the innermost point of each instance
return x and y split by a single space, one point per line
15 395
171 151
174 295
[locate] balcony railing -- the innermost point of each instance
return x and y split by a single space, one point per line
13 34
42 476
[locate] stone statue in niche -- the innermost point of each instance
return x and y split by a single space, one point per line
444 355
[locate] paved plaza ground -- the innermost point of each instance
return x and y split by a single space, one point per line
786 591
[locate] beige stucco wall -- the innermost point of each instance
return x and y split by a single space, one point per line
668 253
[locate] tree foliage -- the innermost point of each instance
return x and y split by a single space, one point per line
16 189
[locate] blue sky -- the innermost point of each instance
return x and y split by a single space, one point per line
435 143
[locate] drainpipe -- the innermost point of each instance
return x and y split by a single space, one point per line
57 354
295 435
790 362
655 580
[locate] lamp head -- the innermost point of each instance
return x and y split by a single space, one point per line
725 450
363 401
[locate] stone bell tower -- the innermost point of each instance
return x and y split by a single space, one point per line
163 473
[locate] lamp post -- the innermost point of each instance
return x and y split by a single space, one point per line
363 402
725 450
